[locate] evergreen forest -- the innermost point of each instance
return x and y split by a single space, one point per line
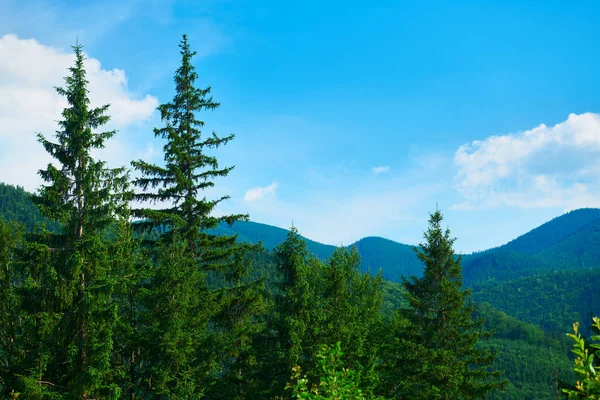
123 283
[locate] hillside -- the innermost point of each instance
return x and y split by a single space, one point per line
395 259
270 236
16 205
570 241
529 314
554 231
553 300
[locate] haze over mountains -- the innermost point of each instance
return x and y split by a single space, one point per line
570 241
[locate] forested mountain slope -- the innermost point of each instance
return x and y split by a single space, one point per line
553 232
552 300
270 236
529 315
571 241
16 205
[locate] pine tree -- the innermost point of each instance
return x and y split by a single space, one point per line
70 278
181 306
445 362
350 311
286 337
188 169
297 301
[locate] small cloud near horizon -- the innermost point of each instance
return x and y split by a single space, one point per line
257 193
381 169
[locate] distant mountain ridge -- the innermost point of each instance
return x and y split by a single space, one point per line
376 252
570 241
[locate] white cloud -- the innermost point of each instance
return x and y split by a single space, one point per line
379 170
29 71
258 193
555 166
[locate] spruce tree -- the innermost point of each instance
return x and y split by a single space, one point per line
70 281
240 323
444 360
11 345
181 307
350 312
297 300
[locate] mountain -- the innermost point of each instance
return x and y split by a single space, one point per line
16 205
271 236
570 241
552 300
395 259
553 232
529 290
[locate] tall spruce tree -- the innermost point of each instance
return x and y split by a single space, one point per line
297 299
183 351
70 284
443 359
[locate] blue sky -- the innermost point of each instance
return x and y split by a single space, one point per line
352 119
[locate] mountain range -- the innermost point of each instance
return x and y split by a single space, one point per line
570 241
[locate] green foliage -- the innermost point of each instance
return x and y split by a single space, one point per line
444 359
588 383
350 312
534 371
188 168
16 205
551 301
335 382
67 283
296 301
11 357
191 329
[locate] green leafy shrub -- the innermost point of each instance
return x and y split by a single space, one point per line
334 381
588 384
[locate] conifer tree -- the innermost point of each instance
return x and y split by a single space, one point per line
183 352
297 300
130 292
240 324
444 361
70 272
188 169
286 336
350 311
11 359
